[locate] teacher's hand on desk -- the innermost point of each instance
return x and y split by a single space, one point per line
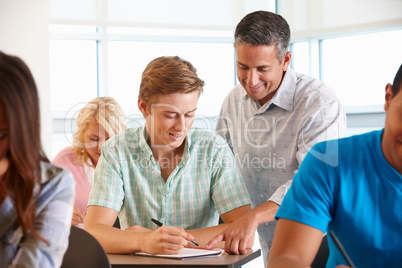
237 236
241 232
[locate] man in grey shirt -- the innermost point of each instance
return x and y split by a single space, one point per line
271 120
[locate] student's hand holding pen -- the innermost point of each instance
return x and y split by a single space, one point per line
78 217
161 224
165 240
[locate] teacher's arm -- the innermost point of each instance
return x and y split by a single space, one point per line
165 240
204 235
239 235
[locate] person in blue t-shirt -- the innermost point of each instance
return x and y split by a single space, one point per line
352 187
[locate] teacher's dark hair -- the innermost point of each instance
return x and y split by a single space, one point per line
19 98
264 28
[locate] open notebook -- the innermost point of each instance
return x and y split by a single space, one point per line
187 253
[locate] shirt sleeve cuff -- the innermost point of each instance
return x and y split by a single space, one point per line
280 193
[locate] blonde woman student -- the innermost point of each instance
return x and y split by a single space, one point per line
99 120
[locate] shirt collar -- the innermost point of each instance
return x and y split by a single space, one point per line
284 96
143 143
148 152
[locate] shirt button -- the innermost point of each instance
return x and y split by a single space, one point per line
266 224
257 141
258 169
261 195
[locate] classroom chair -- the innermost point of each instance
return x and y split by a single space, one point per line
321 258
117 223
84 251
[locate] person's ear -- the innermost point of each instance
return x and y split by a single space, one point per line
142 105
388 96
286 61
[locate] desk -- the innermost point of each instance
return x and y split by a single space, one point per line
224 261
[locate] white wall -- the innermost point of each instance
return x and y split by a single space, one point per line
24 33
315 18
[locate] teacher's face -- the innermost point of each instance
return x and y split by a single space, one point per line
259 71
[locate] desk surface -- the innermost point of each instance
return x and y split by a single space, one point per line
226 260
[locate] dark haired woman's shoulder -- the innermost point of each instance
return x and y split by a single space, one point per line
53 174
54 195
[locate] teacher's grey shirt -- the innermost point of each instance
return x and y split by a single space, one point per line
270 141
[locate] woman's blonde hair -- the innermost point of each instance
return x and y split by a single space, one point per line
104 111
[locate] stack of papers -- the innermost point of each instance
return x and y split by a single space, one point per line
187 253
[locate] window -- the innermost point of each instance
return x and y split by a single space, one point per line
102 47
356 55
109 57
358 67
73 73
214 62
301 57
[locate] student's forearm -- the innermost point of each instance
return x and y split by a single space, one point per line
115 240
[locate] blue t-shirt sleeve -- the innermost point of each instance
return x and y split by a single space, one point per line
310 199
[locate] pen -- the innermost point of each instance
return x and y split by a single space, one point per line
79 213
160 224
341 249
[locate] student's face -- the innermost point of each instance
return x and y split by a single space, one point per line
391 143
259 71
4 143
94 137
170 118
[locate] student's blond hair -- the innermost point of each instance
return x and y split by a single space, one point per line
104 111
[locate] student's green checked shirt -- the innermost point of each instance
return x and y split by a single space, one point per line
205 184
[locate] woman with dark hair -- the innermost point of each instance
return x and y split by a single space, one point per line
36 197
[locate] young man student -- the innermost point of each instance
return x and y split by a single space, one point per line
353 187
181 177
271 120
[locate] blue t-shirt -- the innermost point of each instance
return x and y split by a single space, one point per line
347 186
